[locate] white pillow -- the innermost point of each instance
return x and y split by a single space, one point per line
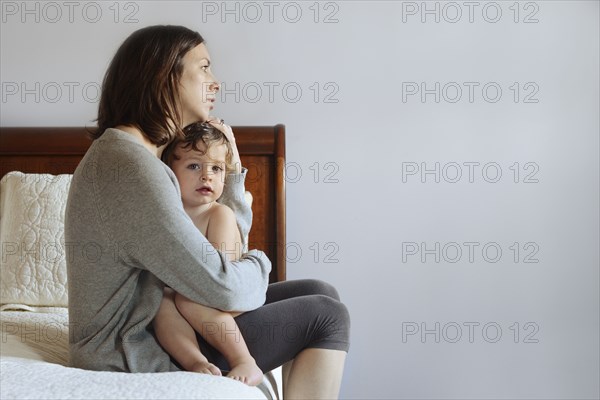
33 269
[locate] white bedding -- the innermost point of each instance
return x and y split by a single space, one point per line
34 355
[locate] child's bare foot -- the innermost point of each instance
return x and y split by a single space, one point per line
247 372
204 367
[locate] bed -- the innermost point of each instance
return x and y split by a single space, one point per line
33 313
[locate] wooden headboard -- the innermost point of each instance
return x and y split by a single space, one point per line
262 150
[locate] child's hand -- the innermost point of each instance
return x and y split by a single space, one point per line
228 132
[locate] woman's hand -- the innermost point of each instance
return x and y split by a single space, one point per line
228 132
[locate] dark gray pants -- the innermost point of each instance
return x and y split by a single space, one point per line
297 315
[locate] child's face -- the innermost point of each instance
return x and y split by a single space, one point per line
201 176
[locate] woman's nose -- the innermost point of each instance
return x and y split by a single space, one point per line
215 86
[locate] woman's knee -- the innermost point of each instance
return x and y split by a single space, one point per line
331 322
318 287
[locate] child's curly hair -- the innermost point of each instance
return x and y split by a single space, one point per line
194 133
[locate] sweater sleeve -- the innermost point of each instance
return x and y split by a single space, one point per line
141 211
234 197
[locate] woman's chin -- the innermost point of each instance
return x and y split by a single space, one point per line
204 117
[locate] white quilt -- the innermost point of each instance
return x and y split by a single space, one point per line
34 352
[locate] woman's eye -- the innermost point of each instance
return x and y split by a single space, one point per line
205 68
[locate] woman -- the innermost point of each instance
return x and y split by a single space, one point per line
124 207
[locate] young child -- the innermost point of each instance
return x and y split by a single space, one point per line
200 162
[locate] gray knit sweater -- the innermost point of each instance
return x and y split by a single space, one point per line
127 235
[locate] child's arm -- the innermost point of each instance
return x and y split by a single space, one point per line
223 232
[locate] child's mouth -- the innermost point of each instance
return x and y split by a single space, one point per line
204 190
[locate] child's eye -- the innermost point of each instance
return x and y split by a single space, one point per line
193 166
216 168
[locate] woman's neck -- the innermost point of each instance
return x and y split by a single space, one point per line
152 148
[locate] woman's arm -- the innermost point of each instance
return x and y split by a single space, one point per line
234 191
234 197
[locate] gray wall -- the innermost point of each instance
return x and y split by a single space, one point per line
479 280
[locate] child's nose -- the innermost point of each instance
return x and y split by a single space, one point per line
206 175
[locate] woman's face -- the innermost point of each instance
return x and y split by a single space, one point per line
197 86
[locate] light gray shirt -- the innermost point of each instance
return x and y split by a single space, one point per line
126 236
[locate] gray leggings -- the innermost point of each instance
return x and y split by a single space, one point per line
297 315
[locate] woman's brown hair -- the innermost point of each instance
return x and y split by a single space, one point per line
140 87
